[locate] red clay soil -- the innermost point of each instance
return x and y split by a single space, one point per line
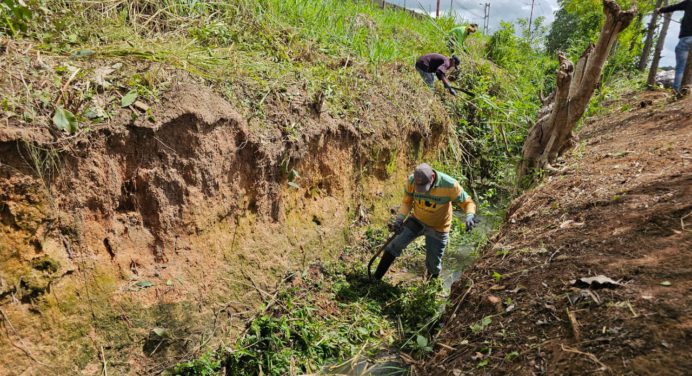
622 208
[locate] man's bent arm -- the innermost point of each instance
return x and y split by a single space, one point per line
468 206
463 200
672 8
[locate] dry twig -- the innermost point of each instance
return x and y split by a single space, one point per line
104 362
591 356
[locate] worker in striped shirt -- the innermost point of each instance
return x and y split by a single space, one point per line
427 210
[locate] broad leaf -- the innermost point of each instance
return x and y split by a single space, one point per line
65 120
144 284
129 98
422 341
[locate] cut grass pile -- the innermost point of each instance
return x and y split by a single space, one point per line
325 317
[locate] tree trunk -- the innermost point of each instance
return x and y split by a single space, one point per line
649 41
651 81
552 134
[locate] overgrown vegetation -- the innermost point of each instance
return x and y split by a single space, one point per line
330 317
507 73
327 317
254 52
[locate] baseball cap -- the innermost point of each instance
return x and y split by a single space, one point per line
423 177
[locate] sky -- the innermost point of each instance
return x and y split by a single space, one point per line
511 10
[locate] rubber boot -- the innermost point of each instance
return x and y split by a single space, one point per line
385 262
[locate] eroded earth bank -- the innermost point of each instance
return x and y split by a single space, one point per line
621 209
176 219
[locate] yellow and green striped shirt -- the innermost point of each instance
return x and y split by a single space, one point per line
434 208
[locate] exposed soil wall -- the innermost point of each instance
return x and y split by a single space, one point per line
139 243
621 209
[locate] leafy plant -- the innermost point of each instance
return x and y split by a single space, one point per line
421 346
208 364
14 16
483 363
511 356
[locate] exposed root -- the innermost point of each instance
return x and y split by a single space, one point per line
591 357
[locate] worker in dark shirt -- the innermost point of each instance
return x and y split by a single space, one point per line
435 65
685 43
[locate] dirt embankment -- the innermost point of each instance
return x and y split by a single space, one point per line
141 243
622 209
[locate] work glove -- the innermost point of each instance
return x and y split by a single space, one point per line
471 221
396 222
449 88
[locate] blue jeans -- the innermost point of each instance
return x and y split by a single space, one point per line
428 77
435 243
681 52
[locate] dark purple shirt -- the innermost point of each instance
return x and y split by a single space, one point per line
434 63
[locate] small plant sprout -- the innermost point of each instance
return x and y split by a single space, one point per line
481 324
511 356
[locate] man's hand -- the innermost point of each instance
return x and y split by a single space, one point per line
449 88
470 222
396 222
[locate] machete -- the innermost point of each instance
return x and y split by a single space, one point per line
464 91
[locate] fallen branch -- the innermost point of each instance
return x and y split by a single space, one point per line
682 221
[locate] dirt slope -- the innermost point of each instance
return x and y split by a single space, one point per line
623 209
172 221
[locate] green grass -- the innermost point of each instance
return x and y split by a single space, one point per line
328 320
259 55
229 41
